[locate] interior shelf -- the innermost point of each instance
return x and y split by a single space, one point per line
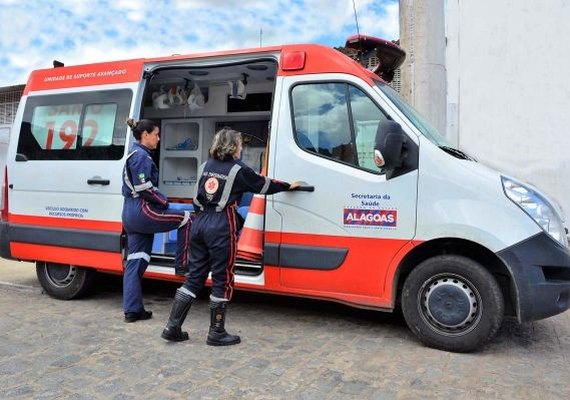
181 135
180 156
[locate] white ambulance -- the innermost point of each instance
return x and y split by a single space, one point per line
455 244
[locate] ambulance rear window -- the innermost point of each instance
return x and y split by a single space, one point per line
88 125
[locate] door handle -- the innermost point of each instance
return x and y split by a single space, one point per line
305 187
97 180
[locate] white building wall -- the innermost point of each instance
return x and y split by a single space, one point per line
508 77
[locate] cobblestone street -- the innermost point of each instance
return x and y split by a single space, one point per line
291 349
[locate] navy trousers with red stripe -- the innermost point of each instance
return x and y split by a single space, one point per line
213 248
141 221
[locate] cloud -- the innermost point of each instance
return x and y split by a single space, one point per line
85 31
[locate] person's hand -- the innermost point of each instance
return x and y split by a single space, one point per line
295 185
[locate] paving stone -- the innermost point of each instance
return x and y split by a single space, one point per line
290 350
23 391
11 366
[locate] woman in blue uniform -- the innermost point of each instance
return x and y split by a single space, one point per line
145 212
213 245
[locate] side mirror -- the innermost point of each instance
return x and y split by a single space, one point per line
390 146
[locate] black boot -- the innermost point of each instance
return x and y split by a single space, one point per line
180 308
217 335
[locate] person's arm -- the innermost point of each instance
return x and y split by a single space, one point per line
253 182
141 170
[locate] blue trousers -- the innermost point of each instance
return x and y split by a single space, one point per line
141 221
213 248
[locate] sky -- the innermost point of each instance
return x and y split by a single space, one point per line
36 32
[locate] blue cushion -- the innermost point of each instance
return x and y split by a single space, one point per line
157 243
243 211
245 199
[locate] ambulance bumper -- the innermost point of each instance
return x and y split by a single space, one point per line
540 269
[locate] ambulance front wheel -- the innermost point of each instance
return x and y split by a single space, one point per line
452 303
64 281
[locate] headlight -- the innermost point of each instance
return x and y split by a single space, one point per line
537 207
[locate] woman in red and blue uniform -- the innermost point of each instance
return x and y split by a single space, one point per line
145 212
213 246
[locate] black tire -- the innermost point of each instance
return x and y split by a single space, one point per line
64 282
452 303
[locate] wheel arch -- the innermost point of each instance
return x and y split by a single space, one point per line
461 247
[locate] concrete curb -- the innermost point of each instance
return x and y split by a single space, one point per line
17 286
18 275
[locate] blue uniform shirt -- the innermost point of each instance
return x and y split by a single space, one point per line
140 177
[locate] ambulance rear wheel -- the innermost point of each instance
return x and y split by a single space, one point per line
452 303
64 281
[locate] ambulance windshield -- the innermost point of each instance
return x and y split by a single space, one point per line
416 118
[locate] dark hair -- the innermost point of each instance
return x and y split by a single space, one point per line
225 143
138 127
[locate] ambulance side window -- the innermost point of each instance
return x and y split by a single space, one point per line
337 121
75 126
365 119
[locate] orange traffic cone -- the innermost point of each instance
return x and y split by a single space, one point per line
250 243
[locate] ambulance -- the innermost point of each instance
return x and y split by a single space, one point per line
390 216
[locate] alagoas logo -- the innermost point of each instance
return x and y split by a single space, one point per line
360 216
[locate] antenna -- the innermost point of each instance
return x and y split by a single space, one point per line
260 37
360 53
356 18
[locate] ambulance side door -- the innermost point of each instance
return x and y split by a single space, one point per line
338 240
65 172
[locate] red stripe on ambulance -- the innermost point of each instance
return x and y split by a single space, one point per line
85 75
102 260
365 278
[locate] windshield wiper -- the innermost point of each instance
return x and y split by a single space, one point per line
457 153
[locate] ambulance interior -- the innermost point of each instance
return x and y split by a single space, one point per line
191 103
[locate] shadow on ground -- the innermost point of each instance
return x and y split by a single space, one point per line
162 292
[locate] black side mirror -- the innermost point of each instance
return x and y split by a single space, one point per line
390 146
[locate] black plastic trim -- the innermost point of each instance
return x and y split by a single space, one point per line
537 296
271 254
304 257
61 237
5 241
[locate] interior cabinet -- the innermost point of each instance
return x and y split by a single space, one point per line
180 156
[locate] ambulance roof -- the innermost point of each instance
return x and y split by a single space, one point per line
297 59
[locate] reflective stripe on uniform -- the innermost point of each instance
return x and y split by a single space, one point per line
126 178
186 291
199 176
217 299
139 255
228 188
186 218
144 186
265 187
